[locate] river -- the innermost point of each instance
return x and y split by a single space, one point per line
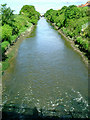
47 74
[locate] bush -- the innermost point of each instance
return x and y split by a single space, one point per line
4 46
33 20
85 44
79 40
13 38
6 32
30 12
87 32
0 33
20 21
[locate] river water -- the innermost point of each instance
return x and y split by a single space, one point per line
47 74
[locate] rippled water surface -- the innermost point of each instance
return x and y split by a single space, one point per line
46 74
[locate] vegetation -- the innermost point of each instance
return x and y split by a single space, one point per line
73 21
31 13
12 25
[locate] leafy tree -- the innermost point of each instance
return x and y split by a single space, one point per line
7 14
30 12
62 10
72 12
27 10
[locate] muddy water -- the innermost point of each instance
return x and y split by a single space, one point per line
46 74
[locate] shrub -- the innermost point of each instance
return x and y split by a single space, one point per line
85 44
79 40
30 12
6 32
20 21
33 20
4 46
13 38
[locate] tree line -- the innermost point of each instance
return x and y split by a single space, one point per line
12 25
72 21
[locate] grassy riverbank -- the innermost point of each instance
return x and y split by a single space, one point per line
12 26
72 22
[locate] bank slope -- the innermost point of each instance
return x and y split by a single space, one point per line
13 25
73 22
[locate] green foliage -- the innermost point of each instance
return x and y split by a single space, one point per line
83 43
72 12
7 14
6 32
20 21
79 40
87 32
13 38
0 33
33 20
5 65
27 10
4 46
31 13
60 20
71 20
11 26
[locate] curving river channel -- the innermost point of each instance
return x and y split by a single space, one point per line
47 74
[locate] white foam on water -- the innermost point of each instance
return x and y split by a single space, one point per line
72 109
38 100
81 99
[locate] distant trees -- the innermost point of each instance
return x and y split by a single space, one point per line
30 12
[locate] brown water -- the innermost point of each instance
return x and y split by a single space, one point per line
46 74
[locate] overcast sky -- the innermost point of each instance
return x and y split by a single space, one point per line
41 5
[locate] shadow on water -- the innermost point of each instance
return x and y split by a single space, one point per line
15 113
33 115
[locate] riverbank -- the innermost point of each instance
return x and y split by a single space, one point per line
13 26
72 23
12 50
72 43
46 63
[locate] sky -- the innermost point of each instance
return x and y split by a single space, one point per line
41 5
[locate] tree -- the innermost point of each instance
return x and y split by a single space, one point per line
30 12
72 12
7 14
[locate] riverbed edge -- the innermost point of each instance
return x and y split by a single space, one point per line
12 49
72 44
